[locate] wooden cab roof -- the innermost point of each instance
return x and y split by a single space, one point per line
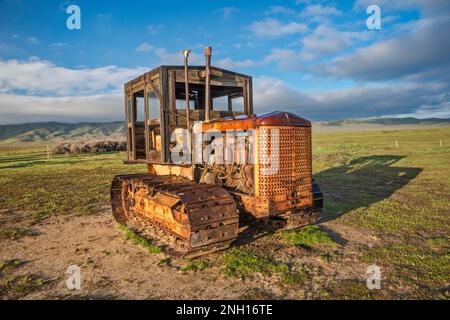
220 77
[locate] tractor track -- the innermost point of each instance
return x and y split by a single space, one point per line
187 219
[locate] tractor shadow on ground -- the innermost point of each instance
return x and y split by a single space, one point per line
359 183
362 182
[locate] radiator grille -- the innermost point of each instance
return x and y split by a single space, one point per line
288 175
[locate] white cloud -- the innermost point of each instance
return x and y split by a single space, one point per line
41 77
269 94
323 41
166 57
390 19
154 29
228 63
228 12
16 108
427 7
319 10
58 44
8 49
424 46
273 28
272 94
176 58
360 101
33 40
144 47
328 40
286 59
280 10
37 90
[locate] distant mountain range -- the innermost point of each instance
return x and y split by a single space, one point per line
388 121
57 131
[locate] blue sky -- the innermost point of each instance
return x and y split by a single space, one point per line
315 58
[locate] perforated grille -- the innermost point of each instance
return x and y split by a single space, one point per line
288 174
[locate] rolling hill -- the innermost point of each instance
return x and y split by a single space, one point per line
390 121
57 131
50 132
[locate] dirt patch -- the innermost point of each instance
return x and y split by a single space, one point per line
111 267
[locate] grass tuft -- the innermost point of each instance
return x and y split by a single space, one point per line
12 233
438 243
163 262
243 263
21 285
137 239
195 265
10 265
308 237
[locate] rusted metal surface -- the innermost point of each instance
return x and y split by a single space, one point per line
186 87
289 186
208 52
276 118
166 82
199 218
291 179
291 220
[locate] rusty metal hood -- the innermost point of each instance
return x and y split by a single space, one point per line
275 118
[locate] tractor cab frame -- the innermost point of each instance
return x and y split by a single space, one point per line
155 106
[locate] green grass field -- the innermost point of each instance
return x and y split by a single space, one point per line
391 185
397 185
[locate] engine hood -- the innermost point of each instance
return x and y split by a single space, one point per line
244 122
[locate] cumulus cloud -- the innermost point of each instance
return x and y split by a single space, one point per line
228 63
326 40
322 42
37 90
427 7
269 94
273 28
154 29
6 48
166 57
33 40
373 100
273 94
360 101
16 108
425 46
285 58
58 44
228 12
280 10
174 58
319 10
144 47
41 77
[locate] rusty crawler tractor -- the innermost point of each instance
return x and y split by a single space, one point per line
199 207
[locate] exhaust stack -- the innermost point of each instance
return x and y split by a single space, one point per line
208 52
186 87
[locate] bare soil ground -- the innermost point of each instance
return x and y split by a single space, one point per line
112 267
